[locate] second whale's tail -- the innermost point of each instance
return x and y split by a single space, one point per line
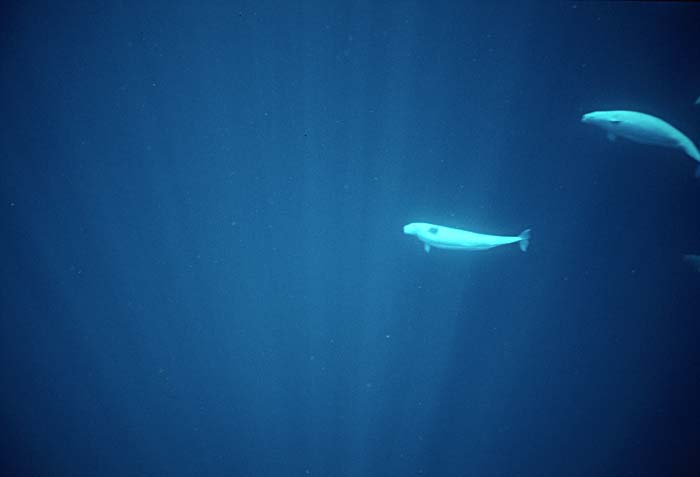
524 240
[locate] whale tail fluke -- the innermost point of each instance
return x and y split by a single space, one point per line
524 240
690 149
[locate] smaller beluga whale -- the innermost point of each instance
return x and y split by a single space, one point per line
644 129
439 236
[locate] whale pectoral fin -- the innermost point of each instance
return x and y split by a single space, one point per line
426 247
611 137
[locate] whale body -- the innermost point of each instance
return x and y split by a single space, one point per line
642 128
448 238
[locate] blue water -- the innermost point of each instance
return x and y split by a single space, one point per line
203 265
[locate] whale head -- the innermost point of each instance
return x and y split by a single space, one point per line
410 229
603 119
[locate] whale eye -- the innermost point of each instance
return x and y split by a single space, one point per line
433 230
614 121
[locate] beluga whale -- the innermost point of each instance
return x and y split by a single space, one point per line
643 128
439 236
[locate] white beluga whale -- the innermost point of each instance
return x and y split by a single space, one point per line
448 238
642 128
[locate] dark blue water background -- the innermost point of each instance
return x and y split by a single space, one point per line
203 265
